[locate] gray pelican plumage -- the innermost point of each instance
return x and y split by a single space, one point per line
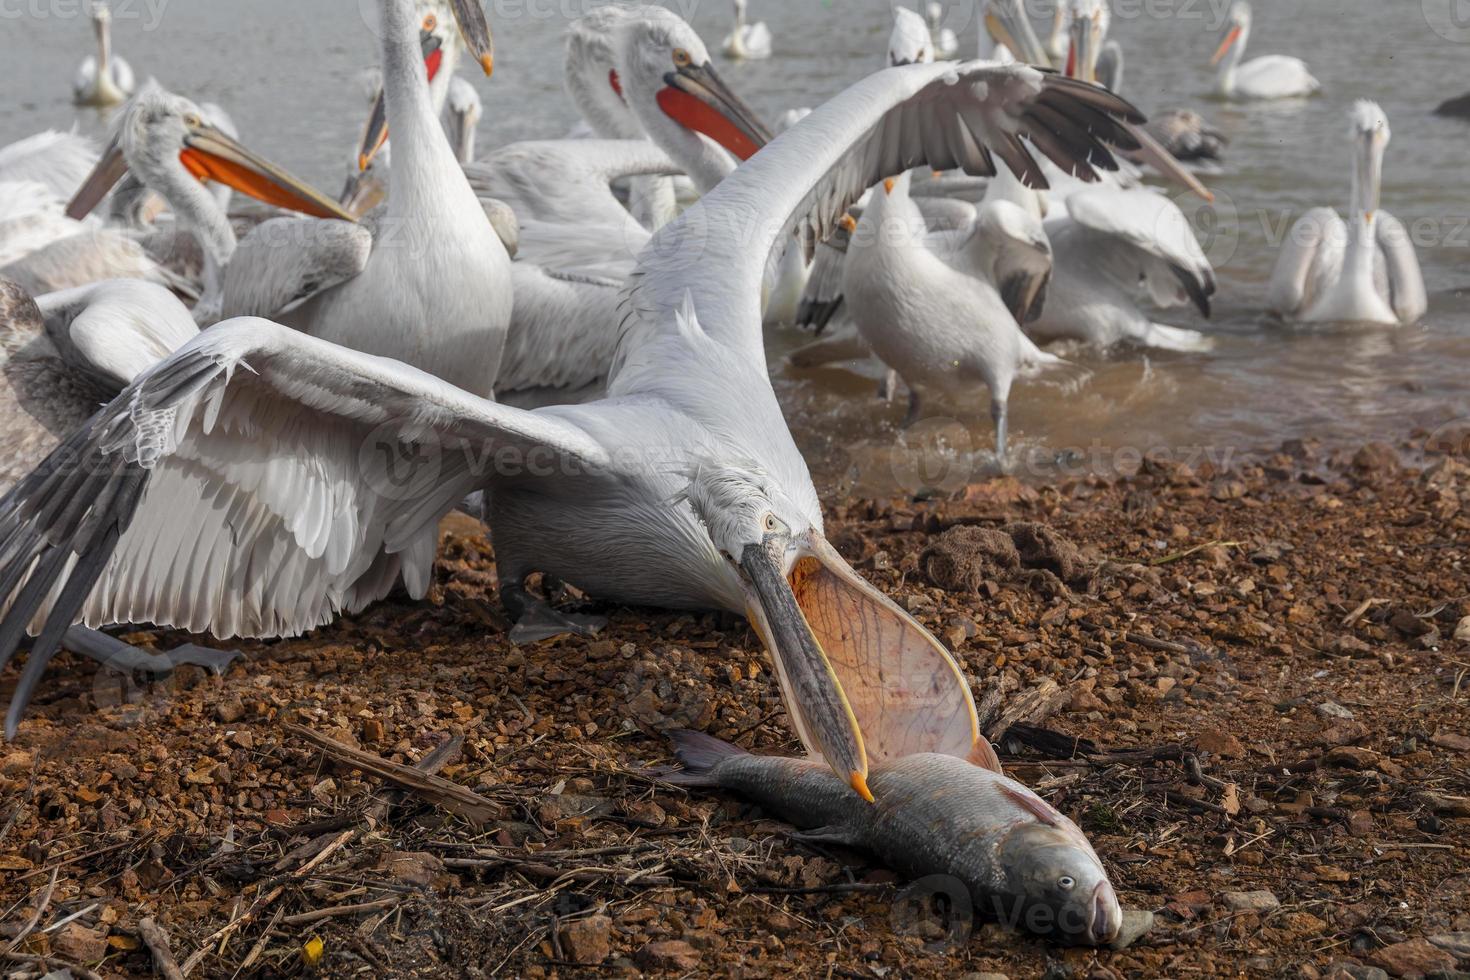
165 142
1273 76
62 355
280 494
1363 269
103 79
746 41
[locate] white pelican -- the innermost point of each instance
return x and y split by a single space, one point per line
60 356
1110 245
1361 270
269 500
747 41
103 79
942 39
1274 76
462 112
942 309
165 142
60 161
1006 34
1059 40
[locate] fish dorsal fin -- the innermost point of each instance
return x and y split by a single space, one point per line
982 754
1034 805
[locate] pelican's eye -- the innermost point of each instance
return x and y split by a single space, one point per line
681 58
192 120
1066 883
430 23
771 523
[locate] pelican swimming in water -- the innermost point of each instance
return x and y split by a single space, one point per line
1361 270
274 497
945 44
747 41
1274 76
60 356
102 79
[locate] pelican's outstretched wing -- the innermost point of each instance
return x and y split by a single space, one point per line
942 116
1406 292
285 261
61 161
255 483
1170 258
1298 275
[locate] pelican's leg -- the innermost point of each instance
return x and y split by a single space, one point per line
999 412
112 652
915 407
888 387
536 620
117 655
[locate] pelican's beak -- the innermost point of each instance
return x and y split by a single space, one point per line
863 681
1008 25
1231 36
362 192
1370 167
616 83
1081 55
211 154
849 223
104 176
696 98
1158 156
474 30
888 183
375 134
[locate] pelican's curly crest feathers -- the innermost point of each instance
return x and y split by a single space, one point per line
1367 117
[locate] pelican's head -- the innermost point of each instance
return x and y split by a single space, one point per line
862 680
101 13
1090 19
165 139
659 55
464 116
592 73
1006 23
1237 27
1370 135
443 24
933 13
910 42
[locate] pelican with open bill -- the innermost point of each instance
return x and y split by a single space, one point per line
696 97
209 153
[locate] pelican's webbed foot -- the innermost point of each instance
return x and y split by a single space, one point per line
536 620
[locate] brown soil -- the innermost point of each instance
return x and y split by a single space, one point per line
1264 692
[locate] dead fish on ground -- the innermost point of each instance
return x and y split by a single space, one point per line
1018 856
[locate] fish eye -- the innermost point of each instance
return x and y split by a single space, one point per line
430 22
681 58
1066 883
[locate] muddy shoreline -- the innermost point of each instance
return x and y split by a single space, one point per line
1249 687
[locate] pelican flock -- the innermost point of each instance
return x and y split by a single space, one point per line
248 422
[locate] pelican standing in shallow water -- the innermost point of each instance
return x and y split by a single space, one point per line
257 510
1361 270
103 79
747 41
1273 76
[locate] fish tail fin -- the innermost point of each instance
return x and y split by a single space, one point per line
700 755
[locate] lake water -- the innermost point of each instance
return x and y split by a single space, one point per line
287 73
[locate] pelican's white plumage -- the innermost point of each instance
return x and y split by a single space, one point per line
102 79
1362 269
279 492
747 41
60 161
942 38
1273 76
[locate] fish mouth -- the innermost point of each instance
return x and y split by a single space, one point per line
862 680
1105 917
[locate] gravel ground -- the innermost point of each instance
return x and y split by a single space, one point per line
1249 688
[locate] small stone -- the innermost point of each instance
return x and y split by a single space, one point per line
1454 943
1349 970
230 711
76 942
1414 958
1351 646
984 976
1331 873
373 731
1352 757
587 941
411 867
1360 823
1135 923
1449 740
1331 709
1462 630
1257 901
1221 744
670 954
